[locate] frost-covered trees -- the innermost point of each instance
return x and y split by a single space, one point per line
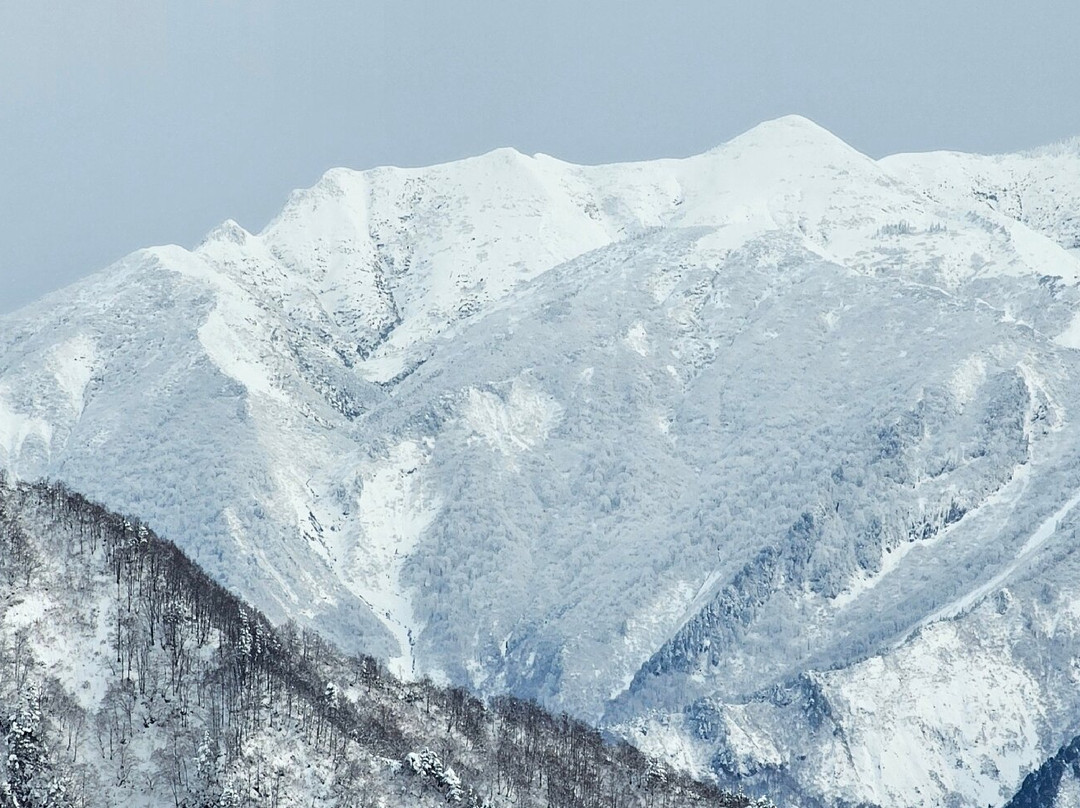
207 789
28 779
428 765
192 698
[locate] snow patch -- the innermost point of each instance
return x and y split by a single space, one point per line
749 750
27 611
72 364
660 737
1034 543
1070 337
79 660
637 338
647 630
395 509
973 701
517 423
864 582
966 379
231 351
16 429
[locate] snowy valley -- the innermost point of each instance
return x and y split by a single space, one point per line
766 459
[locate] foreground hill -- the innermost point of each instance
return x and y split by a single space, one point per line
766 458
128 677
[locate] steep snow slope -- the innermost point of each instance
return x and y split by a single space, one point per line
669 443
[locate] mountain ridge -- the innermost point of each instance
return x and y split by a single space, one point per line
642 441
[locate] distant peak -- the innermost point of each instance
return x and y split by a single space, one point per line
505 152
334 181
227 231
788 131
793 121
502 156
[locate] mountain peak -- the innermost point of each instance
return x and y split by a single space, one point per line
502 153
229 230
789 131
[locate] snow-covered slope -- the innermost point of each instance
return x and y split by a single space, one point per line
1040 188
669 443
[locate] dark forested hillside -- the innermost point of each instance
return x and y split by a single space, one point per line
128 677
1055 784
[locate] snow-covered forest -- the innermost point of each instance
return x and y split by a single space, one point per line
128 677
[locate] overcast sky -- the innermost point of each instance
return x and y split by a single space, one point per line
125 123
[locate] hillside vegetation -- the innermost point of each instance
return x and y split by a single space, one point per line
128 677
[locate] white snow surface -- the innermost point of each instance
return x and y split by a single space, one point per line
647 442
72 362
520 423
16 429
1068 795
395 509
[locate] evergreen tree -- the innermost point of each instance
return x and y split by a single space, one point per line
28 780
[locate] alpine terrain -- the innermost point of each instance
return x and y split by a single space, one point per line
767 460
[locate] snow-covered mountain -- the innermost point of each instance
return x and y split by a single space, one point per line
766 458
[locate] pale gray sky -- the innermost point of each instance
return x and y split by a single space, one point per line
125 123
